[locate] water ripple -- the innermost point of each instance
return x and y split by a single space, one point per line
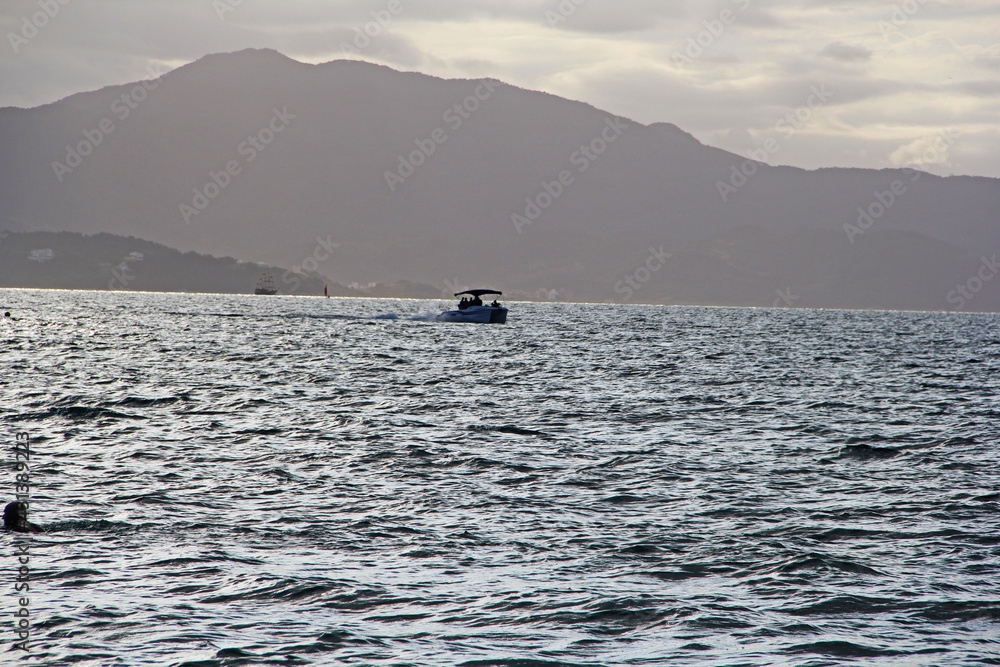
234 480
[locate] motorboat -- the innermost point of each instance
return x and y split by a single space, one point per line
473 309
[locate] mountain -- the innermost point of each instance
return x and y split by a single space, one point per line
752 266
67 260
363 174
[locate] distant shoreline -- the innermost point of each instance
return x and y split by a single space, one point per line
532 301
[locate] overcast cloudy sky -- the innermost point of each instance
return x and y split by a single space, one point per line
889 83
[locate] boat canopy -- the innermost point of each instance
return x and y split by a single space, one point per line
479 292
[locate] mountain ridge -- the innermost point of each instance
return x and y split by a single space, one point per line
348 124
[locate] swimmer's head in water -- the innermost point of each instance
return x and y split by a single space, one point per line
15 517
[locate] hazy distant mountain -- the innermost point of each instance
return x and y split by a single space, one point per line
68 260
366 174
750 266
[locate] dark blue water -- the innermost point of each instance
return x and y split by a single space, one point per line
237 480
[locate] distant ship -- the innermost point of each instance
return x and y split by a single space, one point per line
266 285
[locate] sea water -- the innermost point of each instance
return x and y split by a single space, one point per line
239 480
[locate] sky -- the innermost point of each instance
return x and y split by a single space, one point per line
822 83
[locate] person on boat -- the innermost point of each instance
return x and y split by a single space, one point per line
463 304
495 304
15 518
476 301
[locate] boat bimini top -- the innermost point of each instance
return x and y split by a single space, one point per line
479 292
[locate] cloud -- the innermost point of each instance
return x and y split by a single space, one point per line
981 88
925 151
986 57
845 52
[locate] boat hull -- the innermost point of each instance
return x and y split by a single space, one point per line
475 314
